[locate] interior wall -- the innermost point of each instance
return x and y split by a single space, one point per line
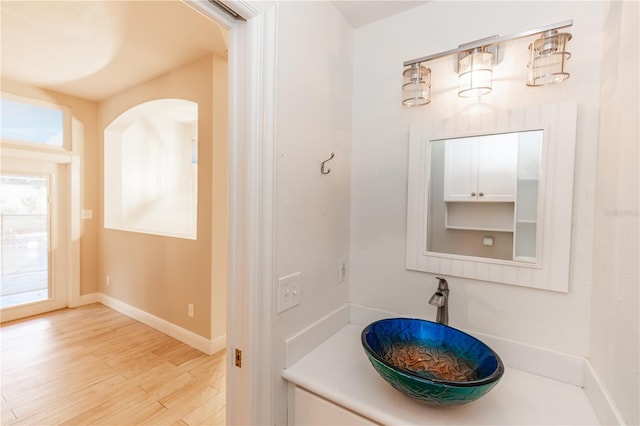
84 130
220 238
551 320
615 335
313 119
162 275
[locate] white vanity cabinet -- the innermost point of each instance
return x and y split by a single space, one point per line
481 169
310 409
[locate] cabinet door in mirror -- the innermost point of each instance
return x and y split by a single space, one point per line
483 196
490 196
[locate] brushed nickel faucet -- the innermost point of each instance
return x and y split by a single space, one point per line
440 299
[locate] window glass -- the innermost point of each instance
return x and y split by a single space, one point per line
24 236
25 122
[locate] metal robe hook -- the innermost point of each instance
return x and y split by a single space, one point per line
322 167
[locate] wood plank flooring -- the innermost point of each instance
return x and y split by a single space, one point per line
93 365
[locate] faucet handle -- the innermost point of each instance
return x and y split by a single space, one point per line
441 299
442 284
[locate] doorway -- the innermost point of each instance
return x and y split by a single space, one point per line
251 143
32 239
24 232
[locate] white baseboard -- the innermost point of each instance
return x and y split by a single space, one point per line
304 341
555 365
601 401
190 338
87 299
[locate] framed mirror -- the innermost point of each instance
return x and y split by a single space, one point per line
490 196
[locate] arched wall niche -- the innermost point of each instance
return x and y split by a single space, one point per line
151 169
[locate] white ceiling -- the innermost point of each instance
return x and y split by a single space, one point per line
94 49
363 12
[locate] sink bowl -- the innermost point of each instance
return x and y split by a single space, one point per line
431 362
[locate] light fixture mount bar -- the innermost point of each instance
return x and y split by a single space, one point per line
489 42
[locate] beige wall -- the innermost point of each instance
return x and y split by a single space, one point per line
84 132
219 188
158 275
614 332
162 275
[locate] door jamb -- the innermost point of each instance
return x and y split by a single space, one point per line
252 80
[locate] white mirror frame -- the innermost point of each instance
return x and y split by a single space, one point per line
551 271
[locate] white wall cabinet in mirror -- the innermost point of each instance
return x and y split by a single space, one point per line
490 196
480 168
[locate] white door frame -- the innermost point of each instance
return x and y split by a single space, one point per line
252 71
60 274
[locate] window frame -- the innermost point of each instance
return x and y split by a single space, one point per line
67 141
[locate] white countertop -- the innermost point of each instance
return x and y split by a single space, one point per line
339 371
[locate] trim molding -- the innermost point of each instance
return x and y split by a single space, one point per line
555 365
252 68
87 299
190 338
600 398
306 340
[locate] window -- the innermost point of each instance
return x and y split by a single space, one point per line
33 122
151 169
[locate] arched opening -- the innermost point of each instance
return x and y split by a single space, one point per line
151 169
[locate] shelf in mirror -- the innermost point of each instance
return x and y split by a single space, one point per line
480 229
525 241
495 216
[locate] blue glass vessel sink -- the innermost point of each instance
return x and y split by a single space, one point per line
431 362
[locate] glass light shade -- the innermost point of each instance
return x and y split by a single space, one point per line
548 57
416 85
475 73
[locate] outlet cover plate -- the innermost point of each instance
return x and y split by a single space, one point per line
288 292
342 270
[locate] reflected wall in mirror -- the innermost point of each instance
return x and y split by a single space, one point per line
490 196
483 196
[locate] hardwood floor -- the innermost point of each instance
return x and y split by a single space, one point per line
93 365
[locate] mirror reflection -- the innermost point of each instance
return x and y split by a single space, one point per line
483 196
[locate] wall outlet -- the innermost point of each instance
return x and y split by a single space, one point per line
108 280
487 241
288 292
342 270
190 310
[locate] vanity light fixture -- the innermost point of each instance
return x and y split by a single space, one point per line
416 85
548 56
474 72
